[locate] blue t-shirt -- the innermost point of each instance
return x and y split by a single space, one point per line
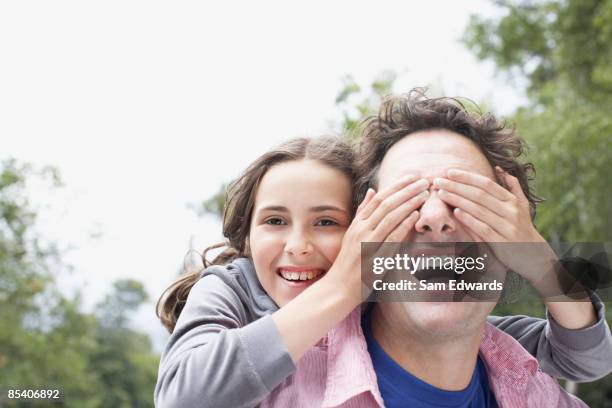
399 388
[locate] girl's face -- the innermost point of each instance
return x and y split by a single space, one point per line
302 209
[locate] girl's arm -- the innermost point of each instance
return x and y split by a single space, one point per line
575 354
217 355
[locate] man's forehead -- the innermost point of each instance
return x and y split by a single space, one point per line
434 165
430 154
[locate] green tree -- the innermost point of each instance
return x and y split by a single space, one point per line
115 308
563 50
46 340
40 344
123 359
355 103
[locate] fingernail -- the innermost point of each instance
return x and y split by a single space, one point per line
453 172
423 182
424 193
440 191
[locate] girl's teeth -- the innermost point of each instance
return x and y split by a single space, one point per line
299 276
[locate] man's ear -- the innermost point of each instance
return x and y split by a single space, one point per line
499 177
510 183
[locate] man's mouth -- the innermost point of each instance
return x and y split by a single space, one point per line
431 269
296 274
437 275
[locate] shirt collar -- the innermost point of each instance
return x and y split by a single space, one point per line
507 361
349 366
350 371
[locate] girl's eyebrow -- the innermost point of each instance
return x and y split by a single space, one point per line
321 208
318 208
279 208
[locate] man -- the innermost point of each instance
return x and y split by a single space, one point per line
431 353
439 343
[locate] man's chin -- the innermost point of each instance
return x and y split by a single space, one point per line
445 318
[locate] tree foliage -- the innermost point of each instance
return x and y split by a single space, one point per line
355 103
564 52
46 340
549 42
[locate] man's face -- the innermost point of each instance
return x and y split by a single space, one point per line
429 155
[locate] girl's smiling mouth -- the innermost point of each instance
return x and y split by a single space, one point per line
300 274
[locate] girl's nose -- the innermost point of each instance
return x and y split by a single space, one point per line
298 244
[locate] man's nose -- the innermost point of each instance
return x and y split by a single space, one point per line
298 243
436 218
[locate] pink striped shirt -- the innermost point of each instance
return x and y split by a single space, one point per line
338 372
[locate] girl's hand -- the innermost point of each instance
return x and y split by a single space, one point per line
386 216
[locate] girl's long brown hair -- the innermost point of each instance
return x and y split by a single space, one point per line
239 204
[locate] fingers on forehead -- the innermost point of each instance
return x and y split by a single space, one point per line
480 181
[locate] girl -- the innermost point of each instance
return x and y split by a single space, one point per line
290 274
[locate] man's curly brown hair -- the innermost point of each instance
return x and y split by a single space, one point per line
402 115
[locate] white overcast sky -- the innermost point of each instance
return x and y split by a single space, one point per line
146 106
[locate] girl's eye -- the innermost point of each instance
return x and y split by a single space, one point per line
275 221
326 223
